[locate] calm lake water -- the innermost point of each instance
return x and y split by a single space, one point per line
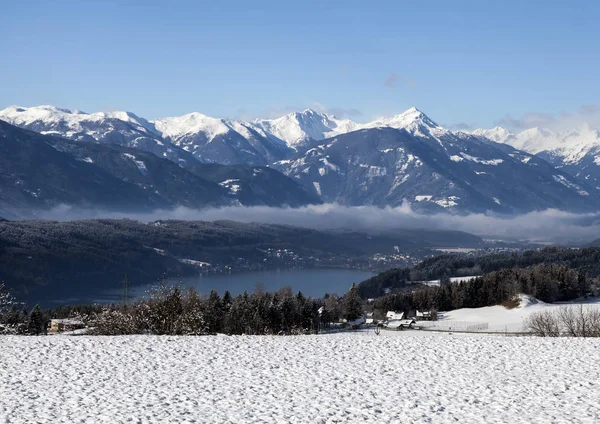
311 282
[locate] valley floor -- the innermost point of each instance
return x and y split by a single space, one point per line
408 376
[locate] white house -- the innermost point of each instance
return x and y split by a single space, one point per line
393 315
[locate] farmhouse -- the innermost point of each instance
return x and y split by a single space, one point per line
395 320
401 324
425 315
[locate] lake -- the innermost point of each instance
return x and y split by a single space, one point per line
311 282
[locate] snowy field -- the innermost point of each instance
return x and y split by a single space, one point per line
398 377
498 318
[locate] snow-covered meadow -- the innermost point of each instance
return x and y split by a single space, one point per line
500 319
398 377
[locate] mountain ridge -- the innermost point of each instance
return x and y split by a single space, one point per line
124 179
462 174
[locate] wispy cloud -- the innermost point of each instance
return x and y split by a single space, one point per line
338 112
584 115
460 126
391 81
395 79
345 113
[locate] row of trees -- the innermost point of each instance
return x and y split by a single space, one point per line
17 320
570 321
171 310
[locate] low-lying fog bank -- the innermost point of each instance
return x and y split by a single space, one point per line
550 225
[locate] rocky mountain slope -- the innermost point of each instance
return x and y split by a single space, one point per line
404 158
41 171
122 128
223 141
434 169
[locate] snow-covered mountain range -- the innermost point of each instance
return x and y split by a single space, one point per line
576 151
403 158
39 172
434 169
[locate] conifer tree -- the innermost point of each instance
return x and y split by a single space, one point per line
214 313
353 308
36 324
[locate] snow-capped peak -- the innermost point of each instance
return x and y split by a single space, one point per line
411 120
412 116
19 115
497 134
300 127
191 123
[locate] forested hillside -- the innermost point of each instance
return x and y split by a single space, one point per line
586 261
66 260
551 275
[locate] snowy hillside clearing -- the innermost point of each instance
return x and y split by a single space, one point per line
498 318
350 377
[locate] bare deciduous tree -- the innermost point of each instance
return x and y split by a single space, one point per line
571 321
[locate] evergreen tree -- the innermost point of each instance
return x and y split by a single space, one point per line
214 312
353 308
36 324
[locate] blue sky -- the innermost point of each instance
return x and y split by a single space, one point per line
460 62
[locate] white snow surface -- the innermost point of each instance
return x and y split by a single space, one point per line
233 185
397 377
452 280
500 318
317 186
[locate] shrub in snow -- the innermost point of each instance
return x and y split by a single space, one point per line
565 321
166 310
